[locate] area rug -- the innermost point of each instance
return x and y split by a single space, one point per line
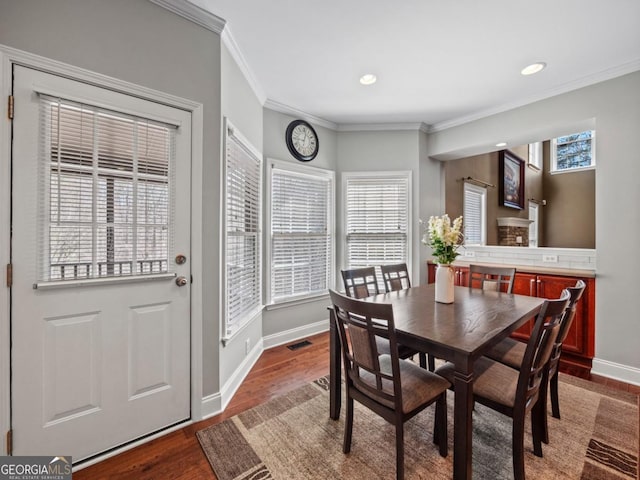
291 437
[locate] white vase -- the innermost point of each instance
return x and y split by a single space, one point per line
444 283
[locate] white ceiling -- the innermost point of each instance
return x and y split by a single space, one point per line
439 62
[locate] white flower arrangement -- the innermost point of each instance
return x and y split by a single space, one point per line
444 238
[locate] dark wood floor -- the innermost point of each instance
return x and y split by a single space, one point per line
177 455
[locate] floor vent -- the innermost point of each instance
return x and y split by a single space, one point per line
296 346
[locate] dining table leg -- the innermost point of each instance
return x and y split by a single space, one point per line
463 420
334 368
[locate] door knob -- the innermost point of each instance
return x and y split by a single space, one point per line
181 281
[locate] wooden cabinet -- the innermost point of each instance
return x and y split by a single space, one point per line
579 347
461 275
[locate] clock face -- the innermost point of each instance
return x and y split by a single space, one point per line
302 140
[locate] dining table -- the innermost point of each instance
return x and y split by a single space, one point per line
459 332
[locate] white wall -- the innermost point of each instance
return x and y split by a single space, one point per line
615 106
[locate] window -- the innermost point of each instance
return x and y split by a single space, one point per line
243 176
378 211
106 193
475 214
573 152
534 225
301 238
535 155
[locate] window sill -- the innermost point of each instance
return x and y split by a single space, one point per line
297 301
572 170
90 282
249 319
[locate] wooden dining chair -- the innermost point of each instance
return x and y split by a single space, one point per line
396 277
360 282
492 278
393 388
511 352
363 282
515 393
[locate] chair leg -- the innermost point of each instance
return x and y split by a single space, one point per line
518 447
432 363
423 360
541 406
348 425
537 428
555 401
440 425
399 449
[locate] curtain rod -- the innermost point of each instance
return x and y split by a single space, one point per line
479 182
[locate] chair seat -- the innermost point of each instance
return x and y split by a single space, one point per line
418 385
404 352
508 351
493 380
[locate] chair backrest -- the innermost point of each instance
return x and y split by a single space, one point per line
396 277
575 294
491 278
539 348
360 282
364 372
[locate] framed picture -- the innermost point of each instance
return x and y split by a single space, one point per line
511 192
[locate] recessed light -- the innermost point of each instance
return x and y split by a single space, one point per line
501 144
368 79
533 68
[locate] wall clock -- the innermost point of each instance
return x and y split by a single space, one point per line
302 140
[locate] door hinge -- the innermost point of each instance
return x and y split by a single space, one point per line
10 442
9 275
10 108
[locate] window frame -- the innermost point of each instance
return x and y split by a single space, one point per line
482 191
406 175
228 330
534 226
535 155
312 171
553 164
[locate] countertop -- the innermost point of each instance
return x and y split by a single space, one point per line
570 272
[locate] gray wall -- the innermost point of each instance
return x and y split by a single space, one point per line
128 40
285 318
380 151
615 106
242 108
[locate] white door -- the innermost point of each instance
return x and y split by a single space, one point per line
100 211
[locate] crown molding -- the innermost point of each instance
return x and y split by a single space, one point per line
193 13
598 77
229 41
286 109
377 127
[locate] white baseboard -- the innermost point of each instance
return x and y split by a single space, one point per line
616 371
294 334
217 402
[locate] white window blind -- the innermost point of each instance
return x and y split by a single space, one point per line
243 216
534 225
105 193
301 231
377 219
475 214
